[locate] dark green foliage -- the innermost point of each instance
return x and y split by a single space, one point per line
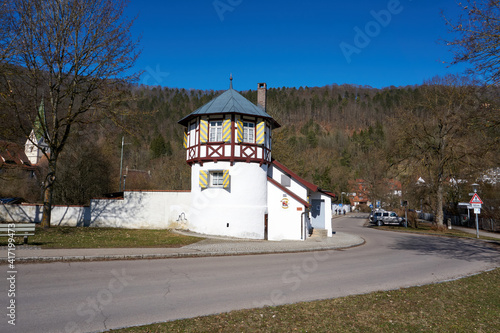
159 148
84 173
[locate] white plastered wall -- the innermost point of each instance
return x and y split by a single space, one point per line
237 211
143 210
285 221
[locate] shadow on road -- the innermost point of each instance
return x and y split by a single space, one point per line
453 248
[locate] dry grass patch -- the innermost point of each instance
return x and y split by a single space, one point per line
85 237
466 305
430 229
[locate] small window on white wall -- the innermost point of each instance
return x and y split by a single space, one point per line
285 180
216 179
248 132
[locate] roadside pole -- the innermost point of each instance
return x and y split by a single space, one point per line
476 203
477 224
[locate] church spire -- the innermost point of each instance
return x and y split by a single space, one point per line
231 81
40 122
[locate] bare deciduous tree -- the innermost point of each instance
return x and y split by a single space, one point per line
74 55
478 37
437 135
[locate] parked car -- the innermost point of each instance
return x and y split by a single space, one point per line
388 218
375 214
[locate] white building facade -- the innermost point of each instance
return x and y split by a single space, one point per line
236 188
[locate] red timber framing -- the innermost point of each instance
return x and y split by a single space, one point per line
227 151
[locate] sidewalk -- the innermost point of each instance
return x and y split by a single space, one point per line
210 246
481 232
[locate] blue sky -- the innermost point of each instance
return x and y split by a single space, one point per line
198 43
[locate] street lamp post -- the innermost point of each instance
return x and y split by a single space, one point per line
121 165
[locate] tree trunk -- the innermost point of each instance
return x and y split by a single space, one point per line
439 206
47 207
48 188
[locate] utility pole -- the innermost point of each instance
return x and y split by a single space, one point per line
121 163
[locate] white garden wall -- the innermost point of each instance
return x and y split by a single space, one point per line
137 210
61 215
142 210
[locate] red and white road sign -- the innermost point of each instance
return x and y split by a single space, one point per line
476 199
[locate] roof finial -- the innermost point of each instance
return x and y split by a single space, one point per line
231 81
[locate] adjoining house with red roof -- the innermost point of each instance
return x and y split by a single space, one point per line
297 196
13 157
18 176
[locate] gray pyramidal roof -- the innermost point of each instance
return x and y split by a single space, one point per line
229 101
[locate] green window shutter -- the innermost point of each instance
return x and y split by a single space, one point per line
203 178
226 130
225 178
239 124
260 133
185 142
203 131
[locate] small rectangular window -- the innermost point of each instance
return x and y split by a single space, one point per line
285 180
216 179
215 131
191 134
248 132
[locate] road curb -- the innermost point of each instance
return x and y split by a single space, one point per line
171 255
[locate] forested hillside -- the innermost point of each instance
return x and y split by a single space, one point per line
329 135
326 132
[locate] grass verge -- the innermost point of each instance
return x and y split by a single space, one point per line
429 229
84 237
467 305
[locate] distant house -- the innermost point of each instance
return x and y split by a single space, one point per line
361 194
18 177
20 167
13 157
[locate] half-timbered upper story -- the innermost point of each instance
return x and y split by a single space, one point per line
229 128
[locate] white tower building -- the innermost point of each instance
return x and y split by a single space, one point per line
228 146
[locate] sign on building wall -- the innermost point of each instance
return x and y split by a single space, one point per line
284 203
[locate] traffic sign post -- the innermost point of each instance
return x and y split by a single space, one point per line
476 203
475 200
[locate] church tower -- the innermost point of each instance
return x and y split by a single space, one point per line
228 146
35 146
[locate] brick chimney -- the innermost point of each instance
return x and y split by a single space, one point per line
262 95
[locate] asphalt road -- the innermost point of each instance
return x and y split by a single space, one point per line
95 296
